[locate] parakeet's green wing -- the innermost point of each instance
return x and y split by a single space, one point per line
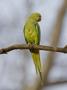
38 32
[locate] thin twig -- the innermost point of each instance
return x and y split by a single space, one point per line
32 47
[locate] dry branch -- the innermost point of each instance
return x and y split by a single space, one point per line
32 47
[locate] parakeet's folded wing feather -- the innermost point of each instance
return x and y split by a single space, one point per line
38 32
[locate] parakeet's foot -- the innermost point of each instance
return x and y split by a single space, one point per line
29 43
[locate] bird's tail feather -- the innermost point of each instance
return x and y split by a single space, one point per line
37 62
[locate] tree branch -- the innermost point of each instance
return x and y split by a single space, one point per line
33 47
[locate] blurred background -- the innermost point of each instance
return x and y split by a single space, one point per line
17 71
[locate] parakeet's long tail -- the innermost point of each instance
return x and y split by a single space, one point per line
37 62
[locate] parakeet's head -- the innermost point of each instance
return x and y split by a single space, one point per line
36 17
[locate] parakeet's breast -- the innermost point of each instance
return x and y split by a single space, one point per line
30 34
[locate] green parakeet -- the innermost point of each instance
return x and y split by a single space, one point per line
32 36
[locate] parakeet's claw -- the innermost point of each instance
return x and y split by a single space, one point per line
29 44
